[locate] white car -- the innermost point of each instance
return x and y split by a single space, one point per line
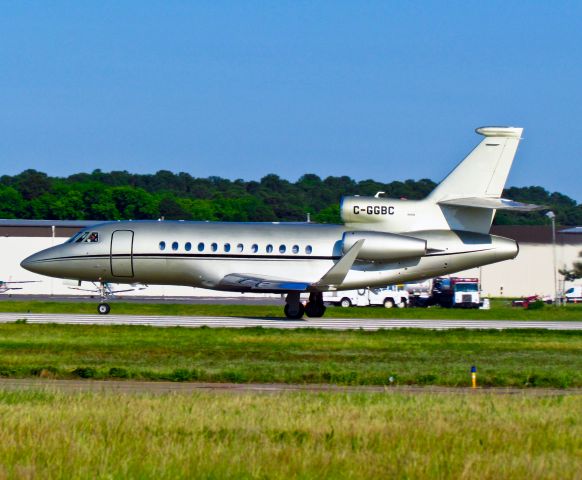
388 297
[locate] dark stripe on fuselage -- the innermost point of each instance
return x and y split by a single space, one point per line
191 255
215 256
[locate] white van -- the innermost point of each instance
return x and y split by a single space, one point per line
389 297
573 294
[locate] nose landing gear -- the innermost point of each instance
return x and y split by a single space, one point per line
103 308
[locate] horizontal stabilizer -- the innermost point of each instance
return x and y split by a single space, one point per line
492 203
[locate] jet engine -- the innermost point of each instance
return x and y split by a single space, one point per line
384 247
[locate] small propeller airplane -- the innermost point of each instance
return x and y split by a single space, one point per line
105 290
6 286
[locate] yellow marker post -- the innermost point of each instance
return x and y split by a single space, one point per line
474 376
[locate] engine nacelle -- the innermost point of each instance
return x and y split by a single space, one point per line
384 247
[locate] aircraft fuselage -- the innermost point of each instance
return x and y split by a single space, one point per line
202 254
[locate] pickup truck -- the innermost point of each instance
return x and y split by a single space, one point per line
388 297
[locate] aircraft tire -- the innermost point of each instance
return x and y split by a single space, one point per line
314 310
294 315
103 308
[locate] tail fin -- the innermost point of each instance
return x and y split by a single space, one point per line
482 174
465 200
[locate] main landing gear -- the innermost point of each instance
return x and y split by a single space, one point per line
294 309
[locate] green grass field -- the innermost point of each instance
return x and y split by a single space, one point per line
501 310
54 435
520 358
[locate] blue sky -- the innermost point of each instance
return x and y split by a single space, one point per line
382 90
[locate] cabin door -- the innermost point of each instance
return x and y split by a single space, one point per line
122 253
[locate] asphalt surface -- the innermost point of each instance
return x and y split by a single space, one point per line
161 388
320 323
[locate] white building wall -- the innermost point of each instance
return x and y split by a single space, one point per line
530 273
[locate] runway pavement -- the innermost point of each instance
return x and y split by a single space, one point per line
161 388
321 323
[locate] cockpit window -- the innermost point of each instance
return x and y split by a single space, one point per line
74 238
86 237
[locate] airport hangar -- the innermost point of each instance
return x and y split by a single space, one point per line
531 272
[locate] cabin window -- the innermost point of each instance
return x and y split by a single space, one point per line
295 249
240 248
188 246
282 248
214 247
308 249
175 246
255 248
227 247
269 248
162 246
201 247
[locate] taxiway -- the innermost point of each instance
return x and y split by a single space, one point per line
319 323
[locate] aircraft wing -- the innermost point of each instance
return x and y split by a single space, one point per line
334 277
253 283
492 203
23 281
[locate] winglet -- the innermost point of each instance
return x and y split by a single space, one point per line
336 274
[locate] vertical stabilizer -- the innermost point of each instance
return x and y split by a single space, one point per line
483 173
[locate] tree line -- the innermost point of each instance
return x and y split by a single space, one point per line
122 195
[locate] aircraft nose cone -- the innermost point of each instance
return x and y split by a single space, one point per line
33 263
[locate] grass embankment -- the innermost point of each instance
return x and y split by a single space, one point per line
52 435
503 358
501 310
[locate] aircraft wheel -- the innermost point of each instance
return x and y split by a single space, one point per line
314 310
294 313
103 308
346 303
388 303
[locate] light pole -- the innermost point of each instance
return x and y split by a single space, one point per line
552 216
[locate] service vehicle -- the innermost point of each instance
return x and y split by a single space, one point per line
388 297
450 292
573 294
